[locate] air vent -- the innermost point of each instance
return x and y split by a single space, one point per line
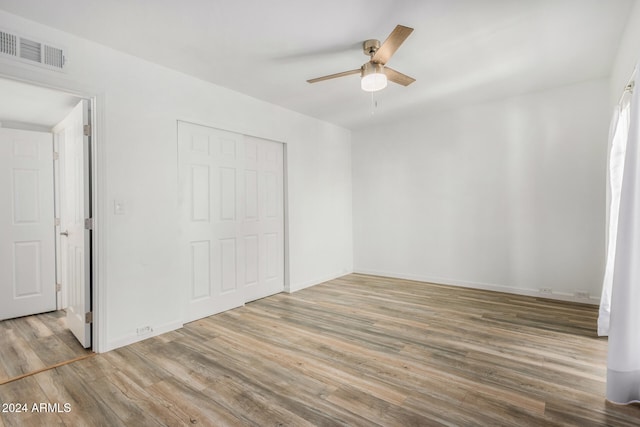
32 51
8 44
53 56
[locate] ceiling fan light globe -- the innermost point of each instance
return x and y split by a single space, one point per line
373 82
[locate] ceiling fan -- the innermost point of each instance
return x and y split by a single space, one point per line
374 74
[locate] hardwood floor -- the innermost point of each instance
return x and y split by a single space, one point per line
357 351
32 343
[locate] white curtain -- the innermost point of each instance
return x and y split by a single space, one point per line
620 304
618 136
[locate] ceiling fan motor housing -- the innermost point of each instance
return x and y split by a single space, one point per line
372 68
370 47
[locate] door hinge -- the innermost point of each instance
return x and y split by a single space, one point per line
58 287
87 130
56 155
88 317
88 223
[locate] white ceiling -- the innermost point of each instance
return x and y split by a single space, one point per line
24 104
461 51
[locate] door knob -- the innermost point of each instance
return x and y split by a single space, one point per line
65 233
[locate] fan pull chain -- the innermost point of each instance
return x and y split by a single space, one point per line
374 104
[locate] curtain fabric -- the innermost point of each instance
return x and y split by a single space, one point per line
621 301
618 136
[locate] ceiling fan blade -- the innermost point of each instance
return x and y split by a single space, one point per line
334 76
391 44
398 77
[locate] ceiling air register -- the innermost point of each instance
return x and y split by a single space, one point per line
31 51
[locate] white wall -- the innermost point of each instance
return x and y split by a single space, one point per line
628 54
507 195
140 103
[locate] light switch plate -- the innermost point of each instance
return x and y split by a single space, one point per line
118 207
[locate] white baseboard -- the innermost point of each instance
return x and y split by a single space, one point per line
561 296
294 287
133 337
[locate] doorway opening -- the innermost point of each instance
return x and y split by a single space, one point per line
46 203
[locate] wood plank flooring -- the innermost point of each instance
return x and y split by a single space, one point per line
32 343
355 351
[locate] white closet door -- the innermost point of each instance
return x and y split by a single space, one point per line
263 222
27 243
230 197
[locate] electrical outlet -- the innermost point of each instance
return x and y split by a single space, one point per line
582 294
145 330
546 290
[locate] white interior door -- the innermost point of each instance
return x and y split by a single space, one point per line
75 208
27 245
231 202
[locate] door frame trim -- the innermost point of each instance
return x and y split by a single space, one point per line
98 185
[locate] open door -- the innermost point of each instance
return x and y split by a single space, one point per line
75 219
27 245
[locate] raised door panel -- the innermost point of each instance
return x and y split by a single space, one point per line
227 193
200 270
200 193
251 195
251 260
26 196
27 267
